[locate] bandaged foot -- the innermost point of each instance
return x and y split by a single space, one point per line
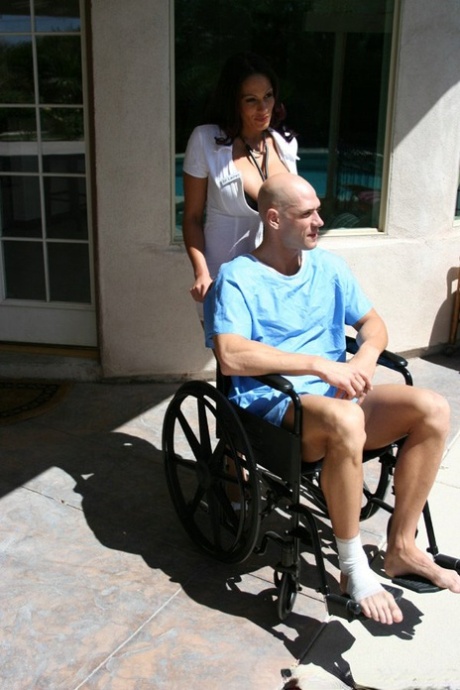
360 583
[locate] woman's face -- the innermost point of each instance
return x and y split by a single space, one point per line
257 100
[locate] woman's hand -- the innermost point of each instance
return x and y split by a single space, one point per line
200 287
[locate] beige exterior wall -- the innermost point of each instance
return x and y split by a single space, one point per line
147 322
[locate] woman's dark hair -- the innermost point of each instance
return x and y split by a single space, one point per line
223 108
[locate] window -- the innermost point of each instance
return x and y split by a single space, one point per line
457 203
332 58
43 203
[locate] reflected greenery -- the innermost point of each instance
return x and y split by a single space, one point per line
18 124
62 124
59 69
16 70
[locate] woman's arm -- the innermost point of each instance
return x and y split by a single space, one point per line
195 192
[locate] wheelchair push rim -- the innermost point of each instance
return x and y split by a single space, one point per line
211 473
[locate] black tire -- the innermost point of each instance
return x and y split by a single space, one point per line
211 473
286 596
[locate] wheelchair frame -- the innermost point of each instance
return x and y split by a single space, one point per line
219 457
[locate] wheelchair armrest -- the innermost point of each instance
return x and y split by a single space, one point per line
276 381
386 359
280 383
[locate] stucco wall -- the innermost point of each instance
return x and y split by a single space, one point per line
147 322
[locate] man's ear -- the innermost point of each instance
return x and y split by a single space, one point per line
272 218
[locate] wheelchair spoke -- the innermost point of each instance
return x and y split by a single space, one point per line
184 462
216 521
189 434
195 503
216 458
204 430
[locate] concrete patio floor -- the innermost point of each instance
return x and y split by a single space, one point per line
102 589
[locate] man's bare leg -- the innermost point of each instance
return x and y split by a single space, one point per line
424 416
335 432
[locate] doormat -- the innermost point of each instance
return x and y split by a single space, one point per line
20 400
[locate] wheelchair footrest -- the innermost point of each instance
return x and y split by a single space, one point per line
416 583
343 607
448 562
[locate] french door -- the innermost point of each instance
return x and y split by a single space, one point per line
46 267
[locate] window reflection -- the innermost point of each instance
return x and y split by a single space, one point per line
69 276
14 16
62 136
65 208
16 69
457 203
52 15
18 140
61 124
59 69
332 59
24 270
20 206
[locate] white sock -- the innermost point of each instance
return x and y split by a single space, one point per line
353 563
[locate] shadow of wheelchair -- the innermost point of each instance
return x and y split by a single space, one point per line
127 506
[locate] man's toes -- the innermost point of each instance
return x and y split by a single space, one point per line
382 609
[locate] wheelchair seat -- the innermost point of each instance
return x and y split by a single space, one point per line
227 470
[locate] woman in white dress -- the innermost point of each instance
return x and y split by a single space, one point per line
225 164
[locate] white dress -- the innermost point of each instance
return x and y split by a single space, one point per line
231 226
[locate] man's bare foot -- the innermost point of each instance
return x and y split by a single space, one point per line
415 562
379 605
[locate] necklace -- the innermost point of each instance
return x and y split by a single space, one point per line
253 154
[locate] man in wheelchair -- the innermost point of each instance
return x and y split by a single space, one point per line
284 309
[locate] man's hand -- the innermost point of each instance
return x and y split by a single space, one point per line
351 380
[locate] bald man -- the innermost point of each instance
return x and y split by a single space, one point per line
283 309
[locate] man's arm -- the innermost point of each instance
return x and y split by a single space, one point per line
372 338
239 356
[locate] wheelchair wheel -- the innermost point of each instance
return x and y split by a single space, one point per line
211 473
287 595
376 482
375 489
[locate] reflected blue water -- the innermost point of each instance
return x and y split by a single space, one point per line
18 23
312 165
356 191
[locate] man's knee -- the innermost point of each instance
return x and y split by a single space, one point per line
333 425
436 410
347 426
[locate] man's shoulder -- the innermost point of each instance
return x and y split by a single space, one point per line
237 265
326 258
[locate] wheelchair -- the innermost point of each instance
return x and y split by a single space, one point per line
227 470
